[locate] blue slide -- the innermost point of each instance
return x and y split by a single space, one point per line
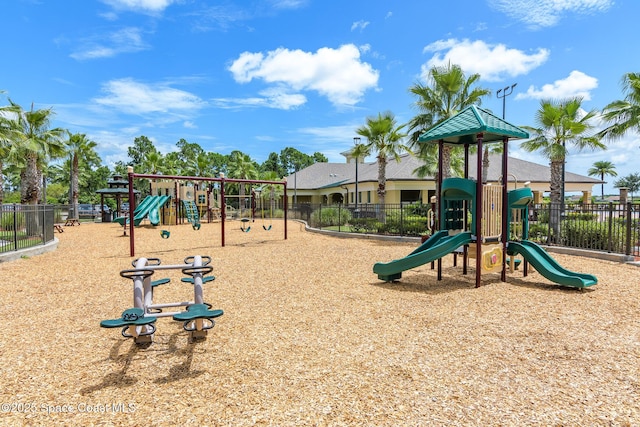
549 267
439 245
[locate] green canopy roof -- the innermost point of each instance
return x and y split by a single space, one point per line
464 127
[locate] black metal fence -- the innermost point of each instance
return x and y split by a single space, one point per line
613 228
25 226
610 227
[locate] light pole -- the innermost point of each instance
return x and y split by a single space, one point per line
356 143
505 92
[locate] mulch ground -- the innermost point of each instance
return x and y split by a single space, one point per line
311 337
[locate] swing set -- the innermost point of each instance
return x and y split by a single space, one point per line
165 233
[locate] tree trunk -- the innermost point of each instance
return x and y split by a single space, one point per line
30 193
485 165
30 181
1 184
382 186
557 199
446 161
74 184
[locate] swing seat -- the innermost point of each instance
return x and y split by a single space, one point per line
165 234
196 226
267 228
246 230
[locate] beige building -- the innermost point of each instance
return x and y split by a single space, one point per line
336 182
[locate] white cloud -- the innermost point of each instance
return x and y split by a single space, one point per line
275 97
492 62
338 74
547 13
153 6
577 84
359 25
288 4
131 97
127 40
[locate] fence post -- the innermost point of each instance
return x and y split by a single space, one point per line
15 227
628 224
610 228
42 209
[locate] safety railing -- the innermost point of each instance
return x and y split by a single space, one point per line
25 226
609 227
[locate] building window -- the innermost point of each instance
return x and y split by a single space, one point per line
409 196
368 196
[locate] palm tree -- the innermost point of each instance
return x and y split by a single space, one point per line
81 149
631 182
448 92
560 123
384 136
242 167
359 151
624 115
8 134
37 144
602 168
275 191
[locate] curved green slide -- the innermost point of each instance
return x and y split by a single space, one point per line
142 210
439 245
549 267
154 212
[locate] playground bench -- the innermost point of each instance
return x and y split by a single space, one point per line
72 222
58 228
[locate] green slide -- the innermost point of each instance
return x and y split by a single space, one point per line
549 267
141 211
154 213
439 245
121 219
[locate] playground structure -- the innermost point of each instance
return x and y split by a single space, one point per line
200 197
139 322
481 221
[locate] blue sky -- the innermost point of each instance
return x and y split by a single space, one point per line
263 75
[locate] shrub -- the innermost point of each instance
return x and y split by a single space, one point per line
364 225
594 235
405 223
418 208
581 216
331 216
539 233
7 222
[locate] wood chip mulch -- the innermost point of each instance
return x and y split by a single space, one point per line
311 337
